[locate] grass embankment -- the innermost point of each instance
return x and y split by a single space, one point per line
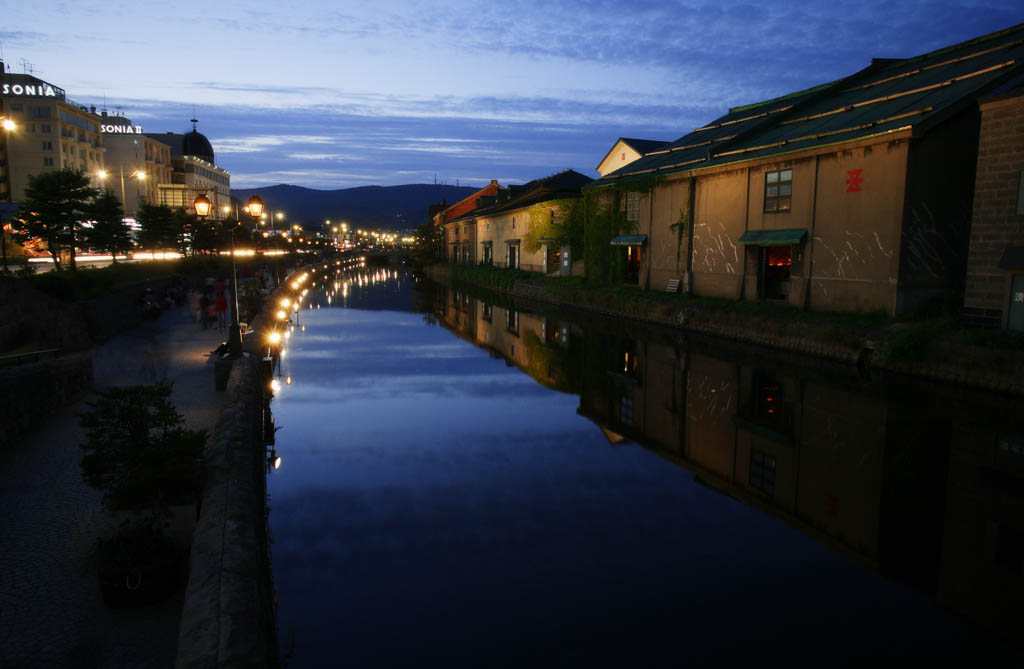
90 282
913 339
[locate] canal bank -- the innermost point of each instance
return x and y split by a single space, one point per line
921 349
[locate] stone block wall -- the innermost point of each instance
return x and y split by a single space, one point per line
228 618
30 393
32 319
995 224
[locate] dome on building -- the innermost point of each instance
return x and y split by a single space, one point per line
195 144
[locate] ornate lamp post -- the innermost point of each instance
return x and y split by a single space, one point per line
202 206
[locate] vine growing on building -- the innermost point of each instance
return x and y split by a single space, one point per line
605 219
680 227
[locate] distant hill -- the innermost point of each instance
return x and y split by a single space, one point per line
390 207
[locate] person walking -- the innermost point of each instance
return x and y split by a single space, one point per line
221 303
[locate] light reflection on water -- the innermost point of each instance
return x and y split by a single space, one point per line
436 503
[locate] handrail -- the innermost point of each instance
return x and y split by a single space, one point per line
32 356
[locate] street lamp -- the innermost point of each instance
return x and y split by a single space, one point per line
202 207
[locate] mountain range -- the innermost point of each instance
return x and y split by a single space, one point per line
369 207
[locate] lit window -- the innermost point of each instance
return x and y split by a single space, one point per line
778 190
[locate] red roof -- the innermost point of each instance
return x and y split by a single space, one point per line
466 204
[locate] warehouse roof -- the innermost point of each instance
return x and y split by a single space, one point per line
887 95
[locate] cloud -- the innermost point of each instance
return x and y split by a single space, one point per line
253 144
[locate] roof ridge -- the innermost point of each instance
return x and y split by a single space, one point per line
974 40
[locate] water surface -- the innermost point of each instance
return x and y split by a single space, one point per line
467 483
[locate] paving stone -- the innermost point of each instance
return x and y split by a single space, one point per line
51 613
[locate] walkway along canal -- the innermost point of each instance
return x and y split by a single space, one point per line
465 480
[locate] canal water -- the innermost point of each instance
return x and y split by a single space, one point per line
470 482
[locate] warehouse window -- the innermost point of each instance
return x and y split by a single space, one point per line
778 190
1020 194
632 207
762 472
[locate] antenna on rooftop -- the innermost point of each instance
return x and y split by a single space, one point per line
27 66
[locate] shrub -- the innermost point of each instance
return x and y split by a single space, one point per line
138 451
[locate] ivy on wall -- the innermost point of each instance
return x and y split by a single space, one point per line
680 227
606 219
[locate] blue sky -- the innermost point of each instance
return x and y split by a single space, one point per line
341 94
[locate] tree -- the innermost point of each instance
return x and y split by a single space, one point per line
109 232
185 225
54 207
429 244
138 450
205 236
158 227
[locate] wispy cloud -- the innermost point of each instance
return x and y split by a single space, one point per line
468 90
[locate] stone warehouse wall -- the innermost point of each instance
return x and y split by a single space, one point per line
996 224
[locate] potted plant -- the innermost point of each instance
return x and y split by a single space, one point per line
139 453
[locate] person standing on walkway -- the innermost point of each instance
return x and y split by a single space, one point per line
221 303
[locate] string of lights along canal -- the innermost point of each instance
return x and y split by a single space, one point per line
460 482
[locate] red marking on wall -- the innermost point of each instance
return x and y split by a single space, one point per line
623 155
853 181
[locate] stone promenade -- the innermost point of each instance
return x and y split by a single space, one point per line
51 613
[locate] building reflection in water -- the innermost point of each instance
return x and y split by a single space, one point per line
919 483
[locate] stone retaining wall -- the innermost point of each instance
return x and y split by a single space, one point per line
228 618
30 393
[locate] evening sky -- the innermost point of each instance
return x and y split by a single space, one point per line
341 94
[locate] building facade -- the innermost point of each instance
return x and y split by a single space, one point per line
459 237
193 172
136 165
625 151
51 132
851 196
521 229
994 294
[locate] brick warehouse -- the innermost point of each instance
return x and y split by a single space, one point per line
994 292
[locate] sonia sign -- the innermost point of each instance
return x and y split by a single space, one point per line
43 90
121 129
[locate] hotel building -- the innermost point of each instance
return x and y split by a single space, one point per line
51 132
136 165
193 172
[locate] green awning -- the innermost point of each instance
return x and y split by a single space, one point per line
629 240
774 237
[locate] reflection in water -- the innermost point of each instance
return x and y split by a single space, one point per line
439 507
919 486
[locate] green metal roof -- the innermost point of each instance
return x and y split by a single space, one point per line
774 237
629 240
885 96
